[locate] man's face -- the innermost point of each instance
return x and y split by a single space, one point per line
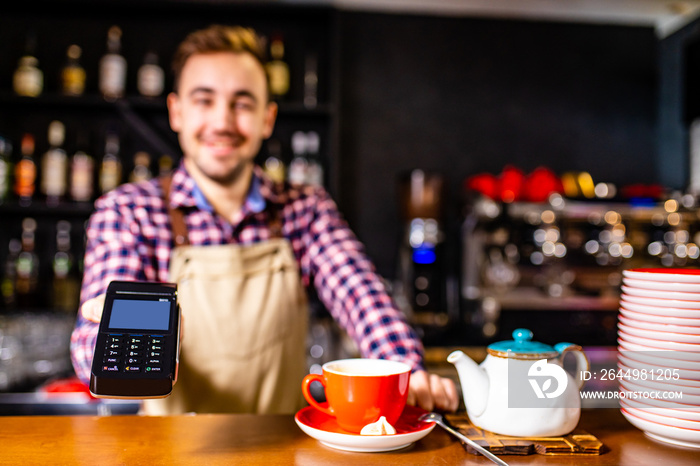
221 113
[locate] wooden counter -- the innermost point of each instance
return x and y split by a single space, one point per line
270 440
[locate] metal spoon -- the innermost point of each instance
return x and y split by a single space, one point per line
437 418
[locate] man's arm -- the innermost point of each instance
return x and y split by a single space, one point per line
110 254
355 295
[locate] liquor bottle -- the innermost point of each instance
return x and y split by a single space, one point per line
314 171
54 165
7 286
111 166
66 285
5 167
151 77
142 167
28 79
112 82
25 172
278 69
299 164
273 165
73 74
82 173
27 268
311 81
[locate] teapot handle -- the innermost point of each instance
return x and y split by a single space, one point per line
582 363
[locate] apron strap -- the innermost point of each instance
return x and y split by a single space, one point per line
177 216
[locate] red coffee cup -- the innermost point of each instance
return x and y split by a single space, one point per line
360 391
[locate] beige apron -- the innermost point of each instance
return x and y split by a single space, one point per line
245 323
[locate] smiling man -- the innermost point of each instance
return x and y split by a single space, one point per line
241 249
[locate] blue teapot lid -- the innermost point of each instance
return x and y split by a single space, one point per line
522 347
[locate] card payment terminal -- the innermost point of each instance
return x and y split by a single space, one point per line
138 342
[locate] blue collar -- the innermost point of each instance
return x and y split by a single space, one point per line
255 202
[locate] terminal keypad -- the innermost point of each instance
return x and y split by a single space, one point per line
134 353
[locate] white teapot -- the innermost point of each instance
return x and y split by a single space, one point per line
521 388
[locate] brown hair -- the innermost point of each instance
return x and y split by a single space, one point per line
218 38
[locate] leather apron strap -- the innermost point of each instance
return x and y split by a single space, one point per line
245 322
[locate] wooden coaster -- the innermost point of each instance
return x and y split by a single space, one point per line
579 442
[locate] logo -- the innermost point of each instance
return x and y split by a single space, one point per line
541 374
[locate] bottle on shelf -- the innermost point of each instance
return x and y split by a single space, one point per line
28 79
311 81
142 167
111 166
73 74
82 173
66 284
299 164
150 77
27 268
112 77
5 167
314 170
278 69
273 164
9 278
25 172
54 165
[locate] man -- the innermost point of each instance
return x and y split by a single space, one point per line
240 248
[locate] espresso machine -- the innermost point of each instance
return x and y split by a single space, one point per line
420 288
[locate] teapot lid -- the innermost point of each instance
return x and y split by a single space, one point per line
522 347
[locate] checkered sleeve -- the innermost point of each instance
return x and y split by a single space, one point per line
111 253
353 292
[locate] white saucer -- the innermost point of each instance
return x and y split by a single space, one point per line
644 317
684 330
660 294
667 434
325 429
664 303
664 275
660 418
692 348
659 333
668 370
667 408
647 308
646 389
640 352
662 286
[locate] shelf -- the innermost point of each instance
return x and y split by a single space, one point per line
84 101
530 299
582 211
39 208
94 101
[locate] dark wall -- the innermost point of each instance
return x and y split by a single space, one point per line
461 96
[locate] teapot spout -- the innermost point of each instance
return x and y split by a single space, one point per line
474 382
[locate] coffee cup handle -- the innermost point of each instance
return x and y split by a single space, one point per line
305 389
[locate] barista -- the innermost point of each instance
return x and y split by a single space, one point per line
241 249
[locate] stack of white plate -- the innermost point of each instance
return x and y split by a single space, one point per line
659 353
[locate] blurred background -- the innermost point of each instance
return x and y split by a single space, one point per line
502 163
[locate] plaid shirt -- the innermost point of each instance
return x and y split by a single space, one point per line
129 237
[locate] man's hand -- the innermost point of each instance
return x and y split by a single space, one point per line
430 391
92 308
